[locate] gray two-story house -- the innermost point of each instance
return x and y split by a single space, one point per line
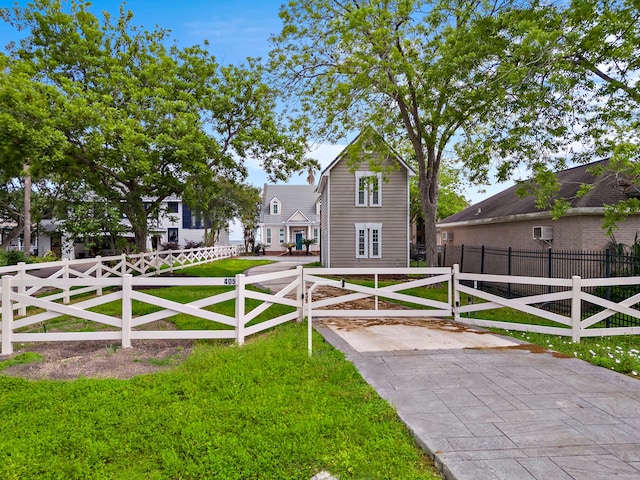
364 215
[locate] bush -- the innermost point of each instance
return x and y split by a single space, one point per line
170 246
13 257
191 244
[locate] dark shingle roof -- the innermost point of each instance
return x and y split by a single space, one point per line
508 203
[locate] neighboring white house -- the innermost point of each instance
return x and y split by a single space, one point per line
176 224
289 214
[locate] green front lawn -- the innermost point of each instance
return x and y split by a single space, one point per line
264 410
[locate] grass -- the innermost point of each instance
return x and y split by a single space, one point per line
264 410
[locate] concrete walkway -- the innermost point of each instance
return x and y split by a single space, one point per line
513 413
516 412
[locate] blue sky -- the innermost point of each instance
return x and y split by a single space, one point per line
235 29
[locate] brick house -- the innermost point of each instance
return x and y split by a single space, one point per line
507 220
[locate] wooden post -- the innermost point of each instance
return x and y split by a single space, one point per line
456 292
22 274
99 273
300 270
576 314
127 310
240 308
123 264
67 288
7 316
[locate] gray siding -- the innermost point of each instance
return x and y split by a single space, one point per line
324 228
393 214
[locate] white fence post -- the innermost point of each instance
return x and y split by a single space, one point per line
240 296
99 273
22 273
7 316
300 293
456 292
156 261
375 285
123 264
65 274
127 310
576 308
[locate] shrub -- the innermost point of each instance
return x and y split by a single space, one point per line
170 246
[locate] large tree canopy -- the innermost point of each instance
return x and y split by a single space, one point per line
428 73
140 118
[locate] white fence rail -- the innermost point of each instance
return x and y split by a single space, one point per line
575 325
301 290
125 326
409 278
144 264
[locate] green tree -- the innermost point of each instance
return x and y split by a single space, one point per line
140 118
601 56
427 73
29 142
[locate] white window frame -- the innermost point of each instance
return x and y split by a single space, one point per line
275 206
368 240
268 235
281 236
315 234
365 196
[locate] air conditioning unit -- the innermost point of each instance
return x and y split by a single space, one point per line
543 233
447 236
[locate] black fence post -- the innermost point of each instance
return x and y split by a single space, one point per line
509 272
481 284
461 257
549 267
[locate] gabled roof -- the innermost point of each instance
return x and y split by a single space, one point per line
508 204
293 199
366 132
297 216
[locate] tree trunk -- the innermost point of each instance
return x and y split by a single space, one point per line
11 236
27 212
140 238
428 186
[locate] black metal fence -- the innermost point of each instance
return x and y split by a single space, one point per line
549 263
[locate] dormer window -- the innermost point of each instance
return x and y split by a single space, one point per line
276 206
368 189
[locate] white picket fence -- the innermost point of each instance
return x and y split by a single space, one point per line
302 290
144 264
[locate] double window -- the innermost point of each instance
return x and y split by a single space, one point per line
368 189
368 240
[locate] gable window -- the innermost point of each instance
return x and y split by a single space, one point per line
368 189
275 206
368 240
172 207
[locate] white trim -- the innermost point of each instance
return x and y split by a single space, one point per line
364 197
275 202
572 212
367 233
